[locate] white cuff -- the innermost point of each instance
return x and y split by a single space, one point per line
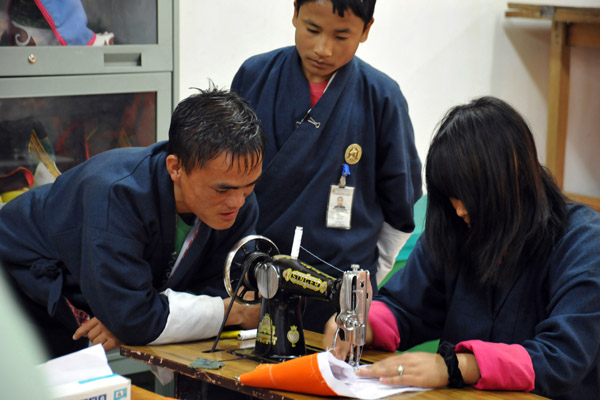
389 244
191 317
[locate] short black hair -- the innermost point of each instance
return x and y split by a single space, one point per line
484 155
212 122
364 9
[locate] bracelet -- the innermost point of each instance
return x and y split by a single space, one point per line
455 379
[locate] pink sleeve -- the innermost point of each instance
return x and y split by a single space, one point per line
502 366
383 324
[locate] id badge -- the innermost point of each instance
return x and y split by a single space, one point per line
339 207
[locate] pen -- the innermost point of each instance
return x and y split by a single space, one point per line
230 334
240 334
245 335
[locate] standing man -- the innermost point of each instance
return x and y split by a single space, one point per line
336 127
111 249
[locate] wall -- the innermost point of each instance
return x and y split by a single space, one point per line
441 52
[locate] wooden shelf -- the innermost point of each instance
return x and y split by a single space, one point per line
571 26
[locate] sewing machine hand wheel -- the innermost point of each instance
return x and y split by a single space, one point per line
248 252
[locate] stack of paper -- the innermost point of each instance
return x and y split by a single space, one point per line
85 375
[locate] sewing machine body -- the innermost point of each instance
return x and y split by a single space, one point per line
283 283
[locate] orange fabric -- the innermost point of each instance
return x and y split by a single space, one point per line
297 375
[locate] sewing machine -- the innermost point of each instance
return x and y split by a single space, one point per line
256 272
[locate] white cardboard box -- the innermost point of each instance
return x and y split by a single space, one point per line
111 387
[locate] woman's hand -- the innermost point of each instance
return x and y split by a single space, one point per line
97 333
419 369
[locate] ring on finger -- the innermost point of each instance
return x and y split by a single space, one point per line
400 370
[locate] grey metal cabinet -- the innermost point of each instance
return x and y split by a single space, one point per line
78 100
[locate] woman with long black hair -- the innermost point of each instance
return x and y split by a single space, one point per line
506 273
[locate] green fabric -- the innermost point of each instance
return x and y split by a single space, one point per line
430 347
203 363
181 231
399 264
420 210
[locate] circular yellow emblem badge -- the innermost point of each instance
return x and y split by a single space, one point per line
353 153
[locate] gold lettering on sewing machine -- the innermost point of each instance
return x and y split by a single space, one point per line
305 280
305 265
266 331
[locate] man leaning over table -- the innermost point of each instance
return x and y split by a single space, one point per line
114 248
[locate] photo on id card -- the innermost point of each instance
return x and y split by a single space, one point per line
339 207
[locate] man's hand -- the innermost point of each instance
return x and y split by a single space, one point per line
242 315
97 333
342 349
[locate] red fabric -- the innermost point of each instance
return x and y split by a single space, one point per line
50 21
80 316
316 91
502 366
17 179
300 374
385 329
92 40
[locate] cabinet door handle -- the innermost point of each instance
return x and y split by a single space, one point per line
122 59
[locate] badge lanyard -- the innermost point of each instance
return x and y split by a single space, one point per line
341 196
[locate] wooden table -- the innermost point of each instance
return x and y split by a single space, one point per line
137 393
189 381
571 26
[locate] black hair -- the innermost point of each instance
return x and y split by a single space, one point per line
484 155
212 122
364 9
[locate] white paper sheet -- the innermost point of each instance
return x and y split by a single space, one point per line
85 364
341 378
